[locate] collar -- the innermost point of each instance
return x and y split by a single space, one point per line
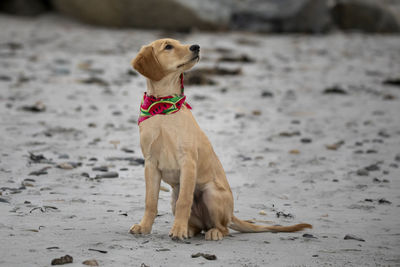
152 106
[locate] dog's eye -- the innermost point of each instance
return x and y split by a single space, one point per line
168 47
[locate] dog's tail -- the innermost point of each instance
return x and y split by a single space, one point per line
246 227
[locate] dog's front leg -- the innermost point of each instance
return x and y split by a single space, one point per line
153 178
183 208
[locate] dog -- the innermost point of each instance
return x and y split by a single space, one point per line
178 152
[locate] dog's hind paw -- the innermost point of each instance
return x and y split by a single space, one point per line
139 229
214 234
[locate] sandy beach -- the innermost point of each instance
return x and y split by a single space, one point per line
306 127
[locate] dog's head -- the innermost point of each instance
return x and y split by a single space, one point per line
165 56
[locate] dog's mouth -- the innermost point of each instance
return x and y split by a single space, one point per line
195 58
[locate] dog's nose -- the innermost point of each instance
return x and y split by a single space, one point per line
195 48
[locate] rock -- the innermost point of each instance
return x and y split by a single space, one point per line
397 157
309 236
284 215
335 146
241 58
3 200
198 78
267 94
170 14
37 107
163 188
210 257
393 82
353 237
63 260
90 262
306 140
335 90
100 169
107 175
42 171
262 212
372 167
384 201
289 134
65 166
362 172
95 80
281 16
365 15
24 7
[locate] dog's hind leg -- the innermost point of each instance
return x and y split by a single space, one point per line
219 203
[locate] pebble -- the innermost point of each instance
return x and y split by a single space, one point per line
306 140
107 175
353 237
100 168
267 94
335 90
309 236
262 212
90 262
63 260
210 257
362 172
37 107
3 200
163 188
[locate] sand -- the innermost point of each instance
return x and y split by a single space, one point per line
269 125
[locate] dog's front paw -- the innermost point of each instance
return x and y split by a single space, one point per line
179 232
140 229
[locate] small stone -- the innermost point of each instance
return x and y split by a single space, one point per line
100 168
210 257
384 201
335 146
306 140
262 212
294 152
335 90
65 166
163 188
309 236
90 262
63 260
267 94
362 172
37 107
256 112
353 237
3 200
107 175
397 157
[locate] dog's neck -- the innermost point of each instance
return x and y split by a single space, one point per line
169 85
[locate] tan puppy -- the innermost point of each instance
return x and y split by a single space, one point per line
178 152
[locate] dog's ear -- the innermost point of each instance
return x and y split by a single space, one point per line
147 64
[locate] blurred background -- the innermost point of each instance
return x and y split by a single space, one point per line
307 16
299 98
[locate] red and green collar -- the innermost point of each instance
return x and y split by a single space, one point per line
152 106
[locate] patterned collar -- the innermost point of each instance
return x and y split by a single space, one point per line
152 106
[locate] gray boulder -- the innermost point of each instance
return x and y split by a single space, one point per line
281 15
367 15
162 14
24 7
